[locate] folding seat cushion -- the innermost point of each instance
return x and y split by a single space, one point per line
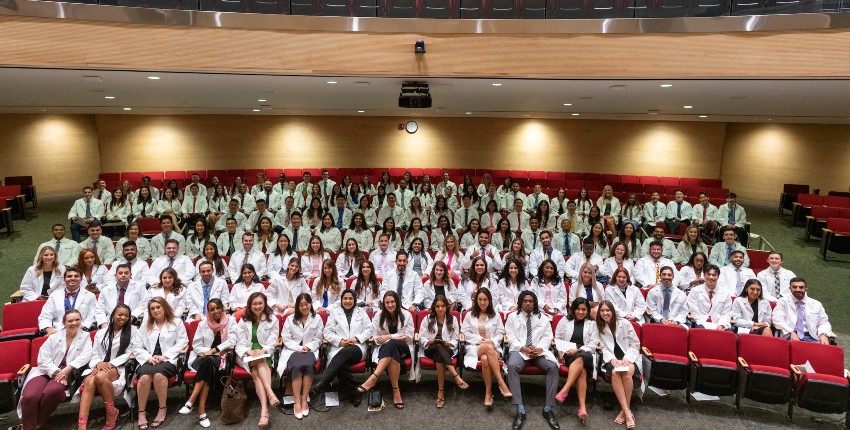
665 356
826 389
713 355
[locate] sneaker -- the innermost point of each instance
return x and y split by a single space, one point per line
186 409
204 421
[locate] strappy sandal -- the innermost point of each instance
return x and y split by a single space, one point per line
82 422
156 423
630 421
462 384
361 388
264 421
399 405
110 423
441 401
145 425
621 418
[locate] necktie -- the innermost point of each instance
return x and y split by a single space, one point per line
58 245
70 304
165 237
400 287
678 209
326 187
740 284
731 215
567 252
710 303
230 248
778 294
402 198
207 288
654 212
536 199
518 222
242 201
704 210
800 327
657 273
548 253
170 263
383 263
245 260
465 217
144 206
121 291
339 218
729 250
94 245
665 311
325 299
528 339
88 208
534 242
194 203
295 238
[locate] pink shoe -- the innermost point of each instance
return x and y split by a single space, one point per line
582 416
561 397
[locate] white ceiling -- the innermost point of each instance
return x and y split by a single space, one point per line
25 90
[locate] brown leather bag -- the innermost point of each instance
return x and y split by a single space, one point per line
234 402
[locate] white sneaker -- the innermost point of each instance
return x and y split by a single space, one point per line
186 409
204 421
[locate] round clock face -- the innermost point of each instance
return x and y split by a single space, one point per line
411 127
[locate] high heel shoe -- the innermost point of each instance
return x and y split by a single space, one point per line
507 395
561 398
621 418
143 425
361 387
156 423
274 401
441 399
264 421
488 403
399 405
82 422
582 416
630 421
112 414
462 384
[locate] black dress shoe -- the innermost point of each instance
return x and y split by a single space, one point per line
518 421
552 420
356 399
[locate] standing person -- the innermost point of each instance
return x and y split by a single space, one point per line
111 349
347 330
484 330
529 332
256 339
84 211
47 384
163 337
301 336
620 349
438 340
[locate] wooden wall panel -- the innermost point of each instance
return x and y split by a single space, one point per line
60 151
134 142
759 158
90 44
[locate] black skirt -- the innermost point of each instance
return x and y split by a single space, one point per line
165 368
586 356
301 364
206 368
398 350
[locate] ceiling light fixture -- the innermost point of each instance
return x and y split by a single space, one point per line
361 111
496 84
703 116
109 98
128 108
331 82
666 85
575 114
568 104
255 110
688 107
470 113
262 100
153 78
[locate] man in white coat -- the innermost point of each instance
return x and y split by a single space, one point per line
67 251
667 304
734 275
709 305
529 332
121 290
172 259
139 268
801 317
776 280
405 282
63 300
247 255
102 246
205 288
84 211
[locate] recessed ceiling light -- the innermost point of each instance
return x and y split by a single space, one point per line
568 104
331 82
262 100
153 78
666 85
575 114
703 116
470 113
496 84
255 110
128 108
361 111
526 115
109 98
688 107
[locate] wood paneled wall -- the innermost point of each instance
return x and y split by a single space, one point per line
138 143
303 48
60 151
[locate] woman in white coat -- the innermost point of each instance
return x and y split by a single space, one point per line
256 339
620 257
751 310
549 289
512 281
111 350
327 288
163 337
438 340
588 287
439 284
451 255
247 285
311 260
367 288
577 329
359 231
392 328
347 330
46 276
330 235
284 289
46 385
348 262
627 299
417 256
302 336
620 349
279 259
483 331
477 278
172 289
212 339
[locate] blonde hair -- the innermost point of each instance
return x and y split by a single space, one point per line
40 262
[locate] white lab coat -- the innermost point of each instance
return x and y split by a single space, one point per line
684 252
338 328
729 279
405 330
701 308
67 255
816 321
158 244
565 329
52 352
307 267
678 304
195 295
283 291
541 333
363 237
204 337
645 270
105 251
143 248
255 258
509 294
448 336
98 355
429 293
138 269
172 338
767 277
267 335
632 304
411 292
626 338
107 301
96 208
32 285
331 238
182 265
178 302
742 313
494 329
239 293
295 336
558 295
54 309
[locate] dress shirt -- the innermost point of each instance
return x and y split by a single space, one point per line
182 264
717 308
768 280
411 291
815 322
678 310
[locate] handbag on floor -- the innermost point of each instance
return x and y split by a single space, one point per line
234 402
375 400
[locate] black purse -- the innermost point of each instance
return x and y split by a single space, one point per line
375 400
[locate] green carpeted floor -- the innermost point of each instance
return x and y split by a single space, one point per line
828 282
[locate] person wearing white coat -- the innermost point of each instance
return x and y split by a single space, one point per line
61 301
101 245
476 278
46 385
247 255
620 349
327 288
709 304
627 299
550 291
207 287
587 287
170 288
577 329
130 254
800 317
484 250
483 331
439 284
284 289
67 250
751 312
111 350
256 337
45 277
346 331
110 297
439 334
301 336
512 282
392 329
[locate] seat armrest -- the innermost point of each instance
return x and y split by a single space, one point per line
646 352
693 357
23 370
416 337
796 372
743 363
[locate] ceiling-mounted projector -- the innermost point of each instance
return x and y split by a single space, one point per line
414 95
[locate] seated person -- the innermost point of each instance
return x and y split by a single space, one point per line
734 275
709 305
545 252
733 215
654 211
247 255
232 212
84 211
627 299
298 234
678 212
721 252
122 290
648 268
171 260
143 245
485 250
576 261
66 249
751 311
667 304
207 287
43 278
531 236
776 280
229 239
566 240
800 317
704 216
691 244
93 273
101 245
668 249
577 328
158 241
59 302
194 206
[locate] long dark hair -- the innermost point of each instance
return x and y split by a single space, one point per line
126 333
520 276
476 311
217 261
556 278
395 318
472 276
600 323
288 250
372 282
297 316
248 315
432 317
178 283
575 304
